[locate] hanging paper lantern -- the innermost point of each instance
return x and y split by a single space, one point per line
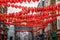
45 13
4 16
10 20
10 1
55 18
58 14
13 1
4 1
17 15
35 9
6 22
16 6
1 1
34 0
32 9
55 7
29 1
37 0
51 7
7 0
12 5
14 20
58 5
4 4
12 15
28 9
8 15
20 13
39 9
20 1
8 5
48 8
24 0
18 21
17 0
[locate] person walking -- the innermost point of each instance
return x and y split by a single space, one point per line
53 35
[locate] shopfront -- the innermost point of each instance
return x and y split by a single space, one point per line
23 33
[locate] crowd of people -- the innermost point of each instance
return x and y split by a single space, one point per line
51 35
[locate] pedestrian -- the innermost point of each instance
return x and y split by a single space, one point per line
53 35
11 38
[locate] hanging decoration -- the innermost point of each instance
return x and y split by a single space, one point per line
35 9
24 18
15 1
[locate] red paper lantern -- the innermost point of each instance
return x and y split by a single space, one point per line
33 0
59 5
55 7
8 5
10 20
4 1
29 1
32 9
8 15
4 16
45 13
7 0
39 9
17 0
35 9
6 22
24 0
55 18
1 1
11 1
37 0
17 15
20 1
4 4
28 9
51 7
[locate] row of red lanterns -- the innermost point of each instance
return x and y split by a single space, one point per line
44 15
15 1
39 28
34 9
27 17
26 20
44 24
32 20
47 22
26 11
